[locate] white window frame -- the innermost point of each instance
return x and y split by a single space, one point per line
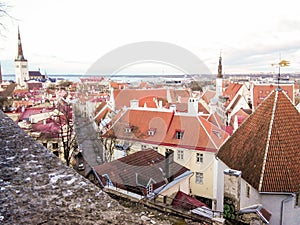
199 178
180 154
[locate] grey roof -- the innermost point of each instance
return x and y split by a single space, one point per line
37 188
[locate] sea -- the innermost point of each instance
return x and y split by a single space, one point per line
123 78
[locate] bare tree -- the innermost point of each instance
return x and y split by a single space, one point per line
4 8
108 140
66 133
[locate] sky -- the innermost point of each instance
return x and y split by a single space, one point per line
67 36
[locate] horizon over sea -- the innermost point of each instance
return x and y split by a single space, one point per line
122 77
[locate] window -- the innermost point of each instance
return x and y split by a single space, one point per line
54 145
128 129
151 132
247 191
179 134
144 146
45 145
199 178
150 189
24 66
155 148
179 154
199 158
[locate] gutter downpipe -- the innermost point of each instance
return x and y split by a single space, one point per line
282 207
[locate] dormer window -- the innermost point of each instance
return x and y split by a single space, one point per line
179 134
151 132
217 133
128 129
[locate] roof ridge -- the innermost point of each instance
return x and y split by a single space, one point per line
207 132
268 142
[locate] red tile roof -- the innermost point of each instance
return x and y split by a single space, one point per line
231 91
116 85
242 114
215 119
198 133
33 111
51 129
101 111
123 97
266 146
138 168
261 91
208 95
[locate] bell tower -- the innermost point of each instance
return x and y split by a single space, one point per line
219 79
21 65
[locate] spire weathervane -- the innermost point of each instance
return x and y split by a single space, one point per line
282 63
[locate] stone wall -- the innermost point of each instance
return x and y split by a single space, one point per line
37 188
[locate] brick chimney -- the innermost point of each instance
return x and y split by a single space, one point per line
169 165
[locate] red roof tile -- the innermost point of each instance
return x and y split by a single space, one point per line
198 133
261 91
208 95
231 91
33 111
123 97
266 146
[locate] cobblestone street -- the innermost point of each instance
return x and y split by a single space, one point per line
88 143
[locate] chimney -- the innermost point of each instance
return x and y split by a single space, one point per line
134 103
193 106
169 164
232 191
173 107
44 122
160 104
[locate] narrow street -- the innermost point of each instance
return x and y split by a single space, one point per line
88 143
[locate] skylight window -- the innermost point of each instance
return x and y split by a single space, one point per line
217 133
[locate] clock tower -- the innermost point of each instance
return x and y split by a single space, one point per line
21 65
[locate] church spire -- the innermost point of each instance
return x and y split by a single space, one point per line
20 56
220 67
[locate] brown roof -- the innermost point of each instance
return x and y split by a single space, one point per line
266 146
139 168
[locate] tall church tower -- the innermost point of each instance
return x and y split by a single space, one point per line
21 65
219 79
